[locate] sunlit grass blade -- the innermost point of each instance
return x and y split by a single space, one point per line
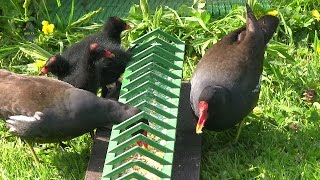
85 18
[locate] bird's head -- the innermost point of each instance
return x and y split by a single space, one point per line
210 99
117 24
100 51
55 64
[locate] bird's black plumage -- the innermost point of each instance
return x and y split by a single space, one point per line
112 68
75 64
85 75
227 78
82 75
110 35
58 66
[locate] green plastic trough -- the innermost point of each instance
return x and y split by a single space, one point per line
151 82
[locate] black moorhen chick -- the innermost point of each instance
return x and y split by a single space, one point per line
112 68
58 66
84 75
225 85
46 110
110 35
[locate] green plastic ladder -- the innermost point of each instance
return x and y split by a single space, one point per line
151 82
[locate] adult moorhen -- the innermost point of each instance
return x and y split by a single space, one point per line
225 85
46 110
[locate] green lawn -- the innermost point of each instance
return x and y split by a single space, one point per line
16 161
280 139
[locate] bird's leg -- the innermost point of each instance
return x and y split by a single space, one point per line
92 134
32 151
239 130
114 92
104 91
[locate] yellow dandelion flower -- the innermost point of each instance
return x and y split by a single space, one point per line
45 23
318 49
315 13
273 13
39 63
47 28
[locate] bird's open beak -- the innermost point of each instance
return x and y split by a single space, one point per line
108 54
141 143
203 115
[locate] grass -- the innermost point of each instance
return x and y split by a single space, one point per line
280 137
16 161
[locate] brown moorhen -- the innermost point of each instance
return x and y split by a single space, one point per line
46 110
225 85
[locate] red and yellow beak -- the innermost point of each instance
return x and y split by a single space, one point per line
108 54
43 71
203 115
199 127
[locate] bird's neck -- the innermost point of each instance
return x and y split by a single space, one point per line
63 68
113 35
117 112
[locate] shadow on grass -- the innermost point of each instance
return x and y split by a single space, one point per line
264 151
71 163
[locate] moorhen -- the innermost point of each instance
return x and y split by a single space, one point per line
112 68
225 85
84 75
109 64
45 110
110 34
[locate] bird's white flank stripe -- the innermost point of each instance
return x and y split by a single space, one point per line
35 117
12 129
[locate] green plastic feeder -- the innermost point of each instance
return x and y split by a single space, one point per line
151 82
121 7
